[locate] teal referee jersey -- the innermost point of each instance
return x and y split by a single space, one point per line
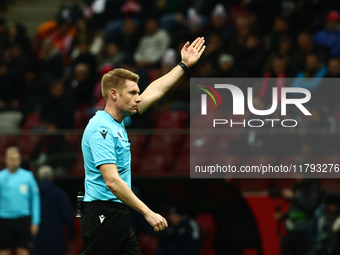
105 141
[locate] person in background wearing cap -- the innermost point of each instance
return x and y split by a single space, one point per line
182 237
330 36
226 65
219 22
56 212
19 205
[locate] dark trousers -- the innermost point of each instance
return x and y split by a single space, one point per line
105 229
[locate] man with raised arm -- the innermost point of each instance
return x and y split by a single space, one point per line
105 221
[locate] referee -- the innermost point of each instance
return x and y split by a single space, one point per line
105 221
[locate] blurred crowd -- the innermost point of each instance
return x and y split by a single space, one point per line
57 72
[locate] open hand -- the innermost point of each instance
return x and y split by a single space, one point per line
192 52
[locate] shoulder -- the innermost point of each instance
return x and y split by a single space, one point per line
26 173
3 172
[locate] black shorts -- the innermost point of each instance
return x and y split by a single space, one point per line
105 229
15 233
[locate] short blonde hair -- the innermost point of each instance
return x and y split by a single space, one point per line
11 149
116 79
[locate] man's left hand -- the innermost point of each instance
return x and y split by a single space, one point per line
192 52
34 229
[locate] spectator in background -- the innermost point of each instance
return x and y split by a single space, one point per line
306 47
35 90
311 77
330 37
54 150
4 35
61 33
274 77
81 85
18 61
182 237
280 29
17 34
10 95
129 36
285 52
239 38
56 212
333 68
20 205
328 226
86 57
226 66
327 94
59 106
152 45
113 55
86 32
249 60
214 48
50 60
304 199
219 23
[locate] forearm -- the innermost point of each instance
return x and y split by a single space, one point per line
122 191
164 83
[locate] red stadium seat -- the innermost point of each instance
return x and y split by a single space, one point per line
155 165
253 184
26 144
32 121
74 140
138 143
153 74
163 144
5 142
81 118
208 231
172 119
181 166
78 168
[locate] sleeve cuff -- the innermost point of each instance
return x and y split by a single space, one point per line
103 162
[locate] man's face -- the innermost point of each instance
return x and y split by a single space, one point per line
128 98
13 161
334 67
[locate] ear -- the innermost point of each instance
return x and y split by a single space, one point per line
113 93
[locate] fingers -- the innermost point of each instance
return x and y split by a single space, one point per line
193 44
161 224
199 44
202 50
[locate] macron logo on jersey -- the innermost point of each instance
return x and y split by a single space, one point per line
101 218
104 133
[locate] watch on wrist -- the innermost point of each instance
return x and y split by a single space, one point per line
184 66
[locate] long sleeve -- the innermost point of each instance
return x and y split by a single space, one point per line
35 202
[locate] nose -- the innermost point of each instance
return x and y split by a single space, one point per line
138 99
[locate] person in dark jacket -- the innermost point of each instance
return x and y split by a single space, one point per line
56 211
304 199
182 237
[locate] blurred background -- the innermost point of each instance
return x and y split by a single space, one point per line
52 57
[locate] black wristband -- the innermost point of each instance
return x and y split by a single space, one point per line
184 66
